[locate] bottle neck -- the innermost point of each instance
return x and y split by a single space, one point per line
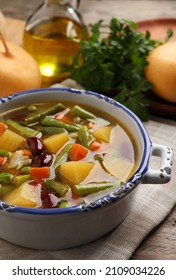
75 3
62 2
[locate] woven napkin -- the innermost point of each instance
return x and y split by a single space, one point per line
151 205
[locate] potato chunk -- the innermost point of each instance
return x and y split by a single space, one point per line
25 195
11 141
75 171
103 133
55 142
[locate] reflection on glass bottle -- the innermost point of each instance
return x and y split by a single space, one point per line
47 37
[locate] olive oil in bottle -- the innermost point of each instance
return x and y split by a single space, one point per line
49 38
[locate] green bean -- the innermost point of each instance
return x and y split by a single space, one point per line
63 204
73 135
6 178
84 136
50 111
52 122
87 189
25 169
62 156
50 130
22 130
58 187
20 179
4 153
80 112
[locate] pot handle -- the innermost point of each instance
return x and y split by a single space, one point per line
163 174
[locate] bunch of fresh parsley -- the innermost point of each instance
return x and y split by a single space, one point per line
113 63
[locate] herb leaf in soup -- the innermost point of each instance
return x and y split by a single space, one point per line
55 155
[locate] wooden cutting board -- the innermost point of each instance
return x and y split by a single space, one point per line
14 30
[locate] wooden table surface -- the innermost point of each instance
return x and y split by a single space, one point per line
161 243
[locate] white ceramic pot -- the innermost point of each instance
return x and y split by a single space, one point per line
51 229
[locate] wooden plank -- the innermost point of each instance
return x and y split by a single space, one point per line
160 244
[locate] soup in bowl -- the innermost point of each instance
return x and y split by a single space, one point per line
70 159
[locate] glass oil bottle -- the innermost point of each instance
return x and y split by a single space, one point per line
49 37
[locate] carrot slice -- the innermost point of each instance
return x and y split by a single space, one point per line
90 125
1 160
95 145
39 173
77 152
63 118
27 153
2 127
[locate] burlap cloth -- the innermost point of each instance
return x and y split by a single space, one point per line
152 203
